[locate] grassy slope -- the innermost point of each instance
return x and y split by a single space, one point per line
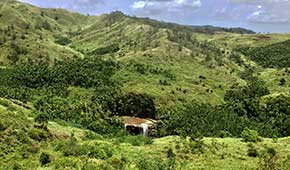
131 34
38 42
184 65
271 76
216 153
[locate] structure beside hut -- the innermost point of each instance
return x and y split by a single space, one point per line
138 125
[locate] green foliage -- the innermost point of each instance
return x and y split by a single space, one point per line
249 135
95 150
275 55
134 104
252 151
237 58
106 50
153 164
39 134
46 25
171 159
44 158
139 140
282 82
245 100
41 118
270 160
150 69
255 88
89 135
45 74
196 120
275 116
63 40
47 87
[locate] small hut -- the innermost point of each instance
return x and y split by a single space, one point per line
137 125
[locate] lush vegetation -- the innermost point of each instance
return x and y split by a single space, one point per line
64 87
274 55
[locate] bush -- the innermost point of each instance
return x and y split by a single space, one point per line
224 134
171 160
106 50
38 134
269 160
250 135
101 151
134 104
271 151
31 148
151 164
63 41
3 125
41 118
44 159
139 140
98 151
252 151
118 163
89 135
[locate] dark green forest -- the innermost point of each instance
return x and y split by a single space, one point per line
271 56
48 88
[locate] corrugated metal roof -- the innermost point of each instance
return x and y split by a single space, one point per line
138 121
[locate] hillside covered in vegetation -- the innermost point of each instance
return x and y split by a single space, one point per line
220 95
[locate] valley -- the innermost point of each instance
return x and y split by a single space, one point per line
220 96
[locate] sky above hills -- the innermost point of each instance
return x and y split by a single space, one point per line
258 15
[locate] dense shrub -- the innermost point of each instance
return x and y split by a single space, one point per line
106 50
269 160
93 150
134 104
252 151
47 87
139 140
196 120
277 110
151 164
44 158
39 134
250 135
274 55
63 40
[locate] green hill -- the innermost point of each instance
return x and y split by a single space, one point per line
51 35
29 33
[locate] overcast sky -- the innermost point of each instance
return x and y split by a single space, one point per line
258 15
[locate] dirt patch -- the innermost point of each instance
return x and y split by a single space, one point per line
59 134
262 37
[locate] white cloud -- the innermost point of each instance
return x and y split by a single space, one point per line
139 5
157 7
266 11
84 6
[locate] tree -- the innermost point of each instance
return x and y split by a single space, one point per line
42 119
44 159
46 25
134 104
